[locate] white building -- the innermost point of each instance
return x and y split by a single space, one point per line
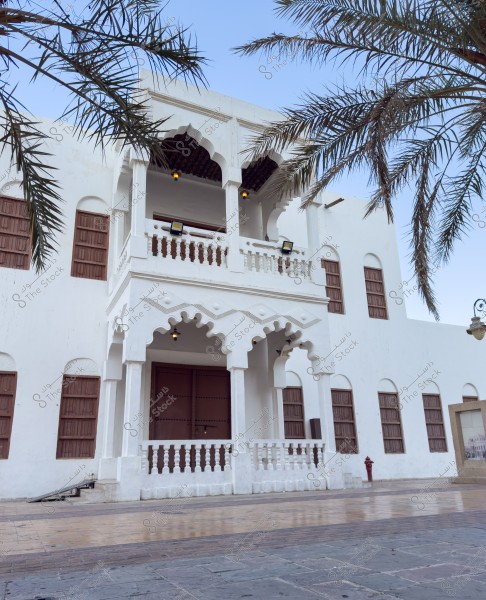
267 375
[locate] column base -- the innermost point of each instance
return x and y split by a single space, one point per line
333 470
242 474
137 247
129 476
107 468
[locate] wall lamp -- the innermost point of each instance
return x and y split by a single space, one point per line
477 327
175 334
287 247
176 175
176 227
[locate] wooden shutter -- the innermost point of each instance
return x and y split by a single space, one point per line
344 421
293 405
375 293
391 423
78 417
90 249
333 286
8 386
14 234
470 398
434 421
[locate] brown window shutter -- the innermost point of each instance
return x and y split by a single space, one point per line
333 286
293 405
344 421
434 421
14 234
90 248
8 387
391 423
78 417
375 293
470 398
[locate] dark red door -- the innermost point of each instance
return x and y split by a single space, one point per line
190 402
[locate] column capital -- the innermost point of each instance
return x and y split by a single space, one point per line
234 182
139 156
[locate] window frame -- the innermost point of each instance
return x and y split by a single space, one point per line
61 417
75 260
384 423
11 416
383 294
28 255
339 288
353 422
441 424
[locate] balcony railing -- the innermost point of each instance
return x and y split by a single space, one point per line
266 257
209 466
195 245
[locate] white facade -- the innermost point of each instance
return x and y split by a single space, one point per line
237 313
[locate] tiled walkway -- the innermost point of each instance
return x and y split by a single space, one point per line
391 541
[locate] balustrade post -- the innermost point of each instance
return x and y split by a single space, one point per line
235 259
155 460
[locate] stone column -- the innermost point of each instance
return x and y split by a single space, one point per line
109 418
332 464
314 243
133 394
235 258
279 412
241 460
138 244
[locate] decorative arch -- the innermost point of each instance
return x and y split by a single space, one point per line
340 382
93 204
293 379
431 388
470 390
329 253
7 363
180 146
387 386
372 261
82 367
13 188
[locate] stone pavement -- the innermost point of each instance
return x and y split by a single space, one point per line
414 540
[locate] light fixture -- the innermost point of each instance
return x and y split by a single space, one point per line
176 227
255 342
175 334
477 327
287 247
176 175
245 194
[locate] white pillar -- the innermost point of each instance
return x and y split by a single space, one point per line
133 395
241 463
333 466
279 413
314 244
109 418
238 412
138 244
235 258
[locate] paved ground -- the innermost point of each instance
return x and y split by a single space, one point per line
410 540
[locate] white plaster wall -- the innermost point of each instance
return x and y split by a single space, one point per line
58 319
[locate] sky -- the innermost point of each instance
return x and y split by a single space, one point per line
221 25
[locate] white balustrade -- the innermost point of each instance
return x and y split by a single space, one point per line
185 456
266 257
278 455
195 245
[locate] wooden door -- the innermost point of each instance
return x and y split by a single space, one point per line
189 403
8 386
293 405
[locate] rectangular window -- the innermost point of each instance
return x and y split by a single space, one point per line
14 234
434 421
8 386
90 249
344 421
470 398
391 423
78 417
333 286
375 293
293 405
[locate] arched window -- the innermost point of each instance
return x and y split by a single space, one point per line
375 287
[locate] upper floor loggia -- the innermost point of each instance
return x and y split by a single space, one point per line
208 212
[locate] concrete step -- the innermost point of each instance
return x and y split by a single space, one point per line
103 491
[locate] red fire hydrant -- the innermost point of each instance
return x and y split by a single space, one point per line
369 467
